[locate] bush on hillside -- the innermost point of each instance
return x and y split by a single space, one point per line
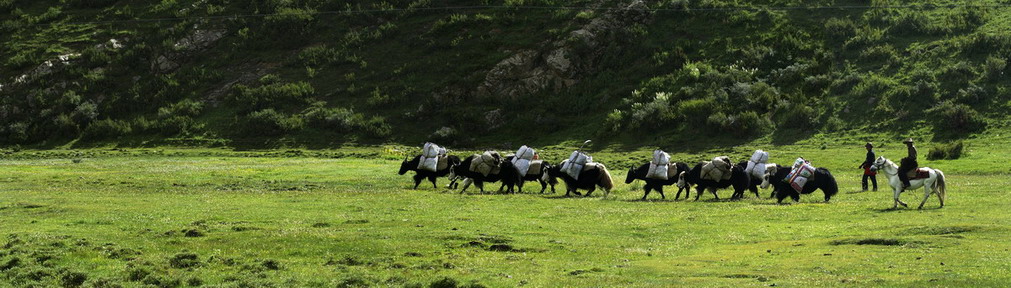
186 107
745 123
90 4
344 120
291 27
272 95
958 118
106 129
948 151
269 122
838 30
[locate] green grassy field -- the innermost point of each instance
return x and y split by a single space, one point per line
216 217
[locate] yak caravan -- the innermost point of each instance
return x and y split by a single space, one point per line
580 172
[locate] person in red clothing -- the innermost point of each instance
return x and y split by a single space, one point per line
868 174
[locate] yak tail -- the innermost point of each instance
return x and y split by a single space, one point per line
605 179
940 186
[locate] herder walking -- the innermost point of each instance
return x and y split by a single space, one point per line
868 174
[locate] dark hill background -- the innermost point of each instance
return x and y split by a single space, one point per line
267 73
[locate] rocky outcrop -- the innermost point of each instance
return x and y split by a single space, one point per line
561 64
195 42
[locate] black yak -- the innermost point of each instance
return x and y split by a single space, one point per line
589 179
738 179
655 184
421 174
507 173
822 179
542 176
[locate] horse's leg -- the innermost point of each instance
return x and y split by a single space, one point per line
926 195
659 188
698 192
754 189
646 188
544 185
713 190
432 179
898 202
676 196
480 185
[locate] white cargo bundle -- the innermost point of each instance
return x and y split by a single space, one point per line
523 158
717 170
574 165
430 157
756 165
486 163
659 166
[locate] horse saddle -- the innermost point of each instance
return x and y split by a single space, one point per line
919 173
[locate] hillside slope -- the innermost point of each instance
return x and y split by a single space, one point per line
320 73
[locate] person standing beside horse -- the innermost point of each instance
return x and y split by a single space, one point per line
868 174
907 164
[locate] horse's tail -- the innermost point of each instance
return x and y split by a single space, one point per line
940 186
605 179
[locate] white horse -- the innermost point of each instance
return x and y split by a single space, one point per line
935 181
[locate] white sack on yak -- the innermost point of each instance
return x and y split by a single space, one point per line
429 157
659 166
523 158
717 170
802 172
574 165
535 167
486 163
756 165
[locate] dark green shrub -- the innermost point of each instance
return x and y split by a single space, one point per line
994 68
105 129
73 279
319 55
90 3
269 122
696 111
272 95
792 115
983 43
64 127
184 260
6 6
971 95
959 118
186 107
85 113
838 30
911 22
745 123
178 125
951 150
291 27
884 54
